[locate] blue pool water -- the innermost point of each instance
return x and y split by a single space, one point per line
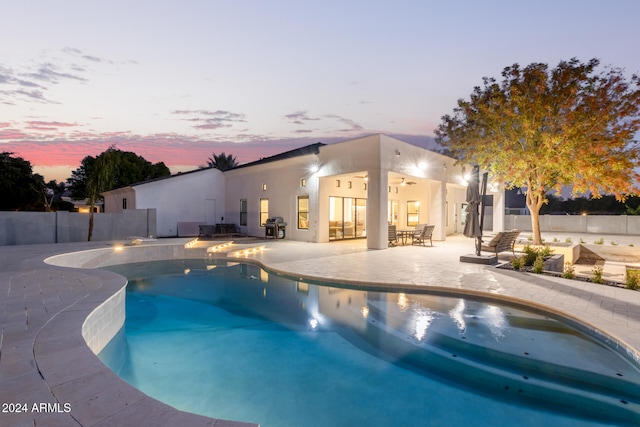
231 341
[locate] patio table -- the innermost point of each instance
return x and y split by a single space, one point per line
405 234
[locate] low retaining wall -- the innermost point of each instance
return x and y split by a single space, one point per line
26 228
590 224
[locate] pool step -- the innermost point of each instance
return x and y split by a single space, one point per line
509 376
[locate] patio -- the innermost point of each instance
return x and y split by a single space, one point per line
44 358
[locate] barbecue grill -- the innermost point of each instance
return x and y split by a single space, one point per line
274 227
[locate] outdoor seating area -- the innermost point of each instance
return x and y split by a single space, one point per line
421 235
418 235
504 241
218 230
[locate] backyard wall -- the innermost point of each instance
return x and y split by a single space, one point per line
26 228
594 224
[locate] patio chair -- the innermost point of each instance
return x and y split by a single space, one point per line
421 236
393 235
502 242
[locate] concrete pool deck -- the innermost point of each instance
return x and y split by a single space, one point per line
49 376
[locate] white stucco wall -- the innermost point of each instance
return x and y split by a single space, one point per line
438 186
196 197
283 186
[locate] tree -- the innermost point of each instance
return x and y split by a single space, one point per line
222 161
111 169
129 169
99 180
21 189
542 129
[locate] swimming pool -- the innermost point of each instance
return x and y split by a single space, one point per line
232 341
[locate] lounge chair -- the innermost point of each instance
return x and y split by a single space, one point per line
502 242
421 236
393 235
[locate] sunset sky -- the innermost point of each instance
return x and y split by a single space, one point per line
176 81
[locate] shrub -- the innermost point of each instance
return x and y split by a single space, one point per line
633 279
555 240
538 264
568 240
582 241
597 275
569 271
614 243
529 254
545 252
599 241
517 262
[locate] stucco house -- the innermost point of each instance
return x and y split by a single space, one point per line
352 189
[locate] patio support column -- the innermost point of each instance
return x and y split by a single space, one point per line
498 211
377 205
438 211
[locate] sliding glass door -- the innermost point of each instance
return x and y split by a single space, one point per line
347 218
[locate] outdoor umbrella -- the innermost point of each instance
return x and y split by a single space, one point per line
472 225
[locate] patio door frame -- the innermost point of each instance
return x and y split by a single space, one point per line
355 210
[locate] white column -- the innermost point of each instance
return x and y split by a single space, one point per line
377 206
438 209
498 211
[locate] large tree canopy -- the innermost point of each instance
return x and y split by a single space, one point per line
128 168
542 129
21 189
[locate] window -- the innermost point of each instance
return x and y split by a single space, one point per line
124 203
393 212
413 212
264 211
303 212
243 211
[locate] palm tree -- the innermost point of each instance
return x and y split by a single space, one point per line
99 180
222 161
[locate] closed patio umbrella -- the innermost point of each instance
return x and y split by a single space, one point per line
472 227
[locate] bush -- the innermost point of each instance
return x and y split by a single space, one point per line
517 262
530 254
597 275
569 271
538 265
633 279
599 241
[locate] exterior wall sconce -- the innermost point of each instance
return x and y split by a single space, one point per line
337 183
348 184
303 182
397 152
264 187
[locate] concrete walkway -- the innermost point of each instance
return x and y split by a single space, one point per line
44 360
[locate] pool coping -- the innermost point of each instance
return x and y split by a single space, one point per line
46 358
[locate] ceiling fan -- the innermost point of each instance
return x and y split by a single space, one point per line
404 182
